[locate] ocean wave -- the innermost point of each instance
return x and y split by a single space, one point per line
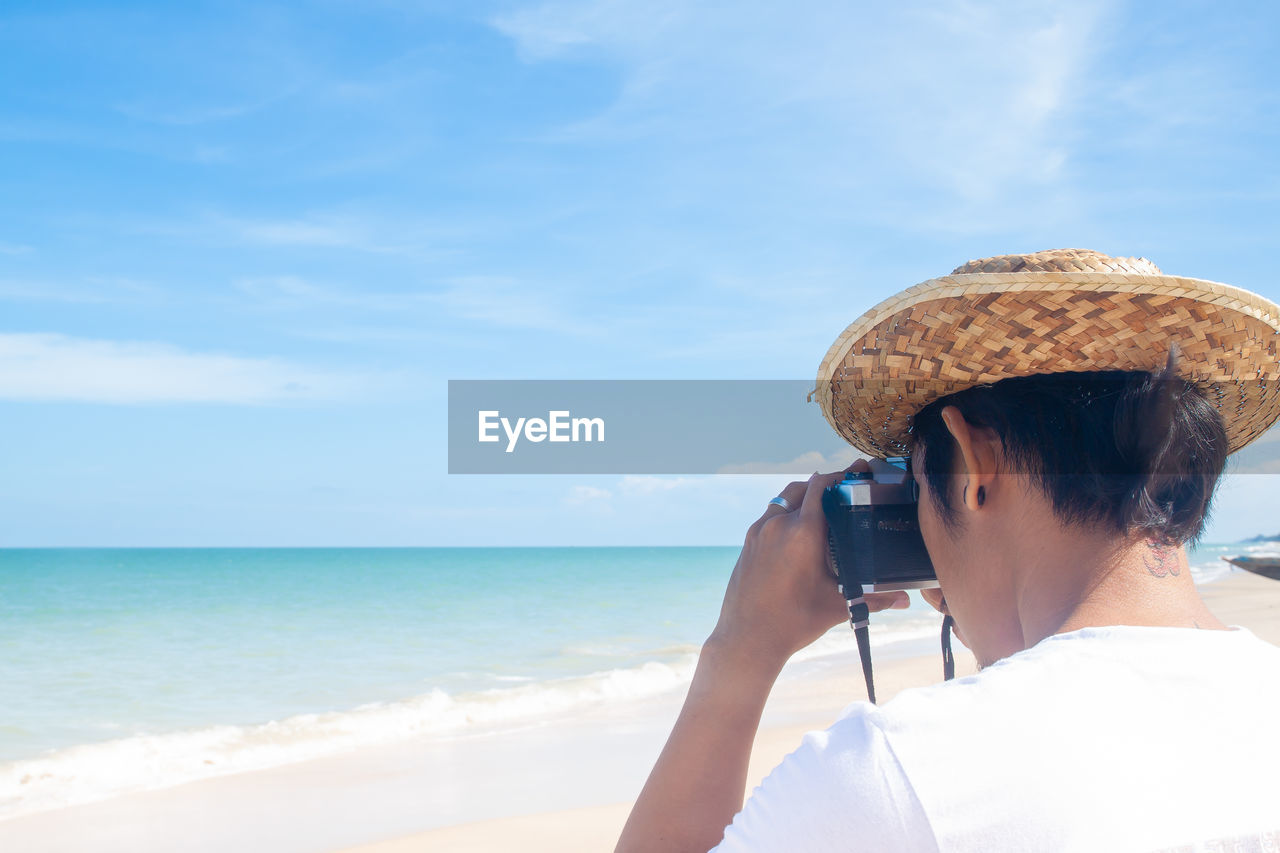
141 762
1207 562
623 650
1211 571
901 628
98 771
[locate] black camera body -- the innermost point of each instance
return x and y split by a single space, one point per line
874 532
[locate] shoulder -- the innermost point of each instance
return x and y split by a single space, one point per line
841 784
1095 675
1101 707
864 773
1085 720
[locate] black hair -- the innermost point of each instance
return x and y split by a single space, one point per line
1138 451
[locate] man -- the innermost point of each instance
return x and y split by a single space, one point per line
1068 415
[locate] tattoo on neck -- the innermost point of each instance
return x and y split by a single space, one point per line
1161 561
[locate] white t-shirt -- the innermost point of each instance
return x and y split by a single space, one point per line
1103 739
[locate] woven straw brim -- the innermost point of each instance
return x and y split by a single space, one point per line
954 332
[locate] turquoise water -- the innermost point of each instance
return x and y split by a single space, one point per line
99 643
135 668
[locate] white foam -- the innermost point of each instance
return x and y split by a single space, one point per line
99 771
1211 571
1208 563
149 761
1263 549
841 640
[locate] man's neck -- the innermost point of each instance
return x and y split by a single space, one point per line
1087 581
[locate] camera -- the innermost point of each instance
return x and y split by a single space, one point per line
873 531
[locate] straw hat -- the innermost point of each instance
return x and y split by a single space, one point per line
1065 310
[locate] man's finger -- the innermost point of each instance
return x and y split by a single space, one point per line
793 494
812 506
877 601
935 598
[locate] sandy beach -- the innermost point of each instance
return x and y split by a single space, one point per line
796 708
1241 599
558 785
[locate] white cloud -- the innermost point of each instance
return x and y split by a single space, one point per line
649 485
291 291
498 301
646 484
326 232
974 101
668 501
507 302
51 367
188 115
35 291
588 496
369 231
559 28
92 289
1262 456
1244 506
804 464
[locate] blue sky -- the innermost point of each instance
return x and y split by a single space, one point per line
244 246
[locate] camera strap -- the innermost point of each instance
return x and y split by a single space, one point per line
860 620
948 661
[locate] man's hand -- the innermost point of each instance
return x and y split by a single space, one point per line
781 597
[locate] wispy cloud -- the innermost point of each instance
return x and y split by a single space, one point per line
1260 457
91 290
499 302
190 115
806 463
52 367
588 496
313 232
976 102
34 291
292 291
379 232
507 302
648 484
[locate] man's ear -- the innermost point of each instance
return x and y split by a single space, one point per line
979 458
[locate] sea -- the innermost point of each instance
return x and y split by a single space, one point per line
125 670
